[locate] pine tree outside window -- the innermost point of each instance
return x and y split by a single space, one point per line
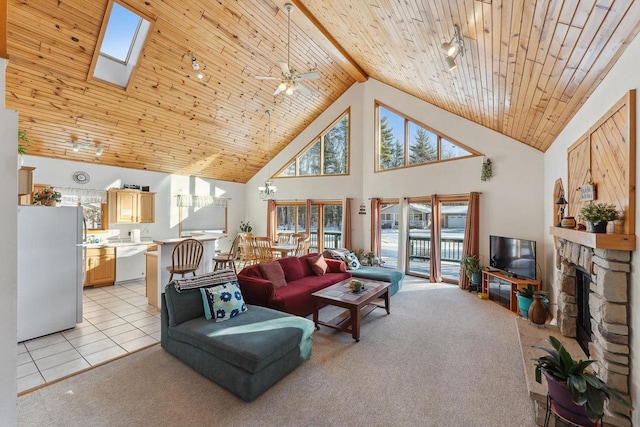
403 142
327 154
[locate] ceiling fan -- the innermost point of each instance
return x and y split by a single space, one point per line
289 79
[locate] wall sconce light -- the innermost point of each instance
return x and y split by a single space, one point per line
453 48
78 145
196 66
363 209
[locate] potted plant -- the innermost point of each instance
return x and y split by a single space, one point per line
472 268
578 394
525 298
47 197
598 215
245 227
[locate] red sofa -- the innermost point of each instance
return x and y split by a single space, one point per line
295 297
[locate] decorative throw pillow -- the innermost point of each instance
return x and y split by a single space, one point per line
223 302
273 272
352 262
339 254
318 264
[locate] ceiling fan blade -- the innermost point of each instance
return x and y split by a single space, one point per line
277 91
309 76
267 78
285 68
303 90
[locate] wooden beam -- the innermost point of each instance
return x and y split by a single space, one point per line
312 27
4 12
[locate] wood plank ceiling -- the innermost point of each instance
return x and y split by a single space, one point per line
527 67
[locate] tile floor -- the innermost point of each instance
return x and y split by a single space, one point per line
117 320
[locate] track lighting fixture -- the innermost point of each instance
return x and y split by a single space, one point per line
453 48
78 145
196 66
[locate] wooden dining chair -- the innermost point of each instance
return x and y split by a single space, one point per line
247 252
228 259
262 247
185 257
283 237
303 245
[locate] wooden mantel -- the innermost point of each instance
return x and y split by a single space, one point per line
619 242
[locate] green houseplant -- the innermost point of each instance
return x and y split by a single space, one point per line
598 215
245 227
525 298
576 392
472 268
23 141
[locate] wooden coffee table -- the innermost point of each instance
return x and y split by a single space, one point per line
358 305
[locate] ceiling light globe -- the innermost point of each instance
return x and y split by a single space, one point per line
99 151
200 76
76 147
289 90
282 86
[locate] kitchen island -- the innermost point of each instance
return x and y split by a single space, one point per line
165 248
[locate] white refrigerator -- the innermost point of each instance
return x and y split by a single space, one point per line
50 269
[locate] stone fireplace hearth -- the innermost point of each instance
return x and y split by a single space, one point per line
608 307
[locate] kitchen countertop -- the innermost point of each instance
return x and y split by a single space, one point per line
116 244
203 238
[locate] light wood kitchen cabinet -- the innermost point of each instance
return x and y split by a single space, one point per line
25 180
101 267
131 206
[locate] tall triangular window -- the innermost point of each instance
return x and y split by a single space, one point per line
327 154
402 141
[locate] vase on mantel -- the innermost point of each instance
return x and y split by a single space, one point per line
537 311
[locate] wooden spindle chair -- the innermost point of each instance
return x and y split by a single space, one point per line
185 257
228 259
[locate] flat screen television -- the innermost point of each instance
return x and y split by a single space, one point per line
515 257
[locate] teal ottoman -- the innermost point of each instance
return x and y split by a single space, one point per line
382 274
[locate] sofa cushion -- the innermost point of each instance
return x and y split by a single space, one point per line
339 253
352 261
272 271
183 306
251 341
296 298
292 268
222 302
304 265
390 275
318 264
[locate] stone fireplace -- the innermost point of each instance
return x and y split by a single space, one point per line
604 301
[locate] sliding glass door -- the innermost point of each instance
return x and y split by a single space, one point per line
453 220
325 222
388 226
419 237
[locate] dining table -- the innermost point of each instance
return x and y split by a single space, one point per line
283 249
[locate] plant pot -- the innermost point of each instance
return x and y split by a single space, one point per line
476 278
600 227
523 305
537 311
563 405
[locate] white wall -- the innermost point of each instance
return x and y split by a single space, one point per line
622 77
511 201
60 173
8 257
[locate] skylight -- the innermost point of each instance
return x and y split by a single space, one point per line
120 34
123 35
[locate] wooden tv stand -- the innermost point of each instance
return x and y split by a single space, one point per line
501 288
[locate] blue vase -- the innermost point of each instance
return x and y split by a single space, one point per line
523 305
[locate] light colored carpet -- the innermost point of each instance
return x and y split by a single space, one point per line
442 357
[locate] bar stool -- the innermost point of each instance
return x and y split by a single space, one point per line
185 257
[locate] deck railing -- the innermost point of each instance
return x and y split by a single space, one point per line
450 248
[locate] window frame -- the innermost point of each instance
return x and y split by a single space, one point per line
315 139
129 68
406 143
